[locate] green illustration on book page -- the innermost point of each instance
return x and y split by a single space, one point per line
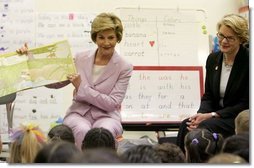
41 66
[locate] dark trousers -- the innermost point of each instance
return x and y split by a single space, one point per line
225 127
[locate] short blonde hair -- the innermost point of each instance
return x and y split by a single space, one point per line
107 21
242 122
238 24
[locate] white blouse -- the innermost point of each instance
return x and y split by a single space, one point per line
225 72
97 71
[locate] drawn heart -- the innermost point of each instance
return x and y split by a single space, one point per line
151 43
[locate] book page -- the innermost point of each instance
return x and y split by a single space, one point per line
14 73
41 66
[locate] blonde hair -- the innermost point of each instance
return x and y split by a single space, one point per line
242 122
226 158
107 21
238 24
26 141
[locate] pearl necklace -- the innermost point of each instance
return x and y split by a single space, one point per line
227 65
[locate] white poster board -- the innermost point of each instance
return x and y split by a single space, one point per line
162 94
164 37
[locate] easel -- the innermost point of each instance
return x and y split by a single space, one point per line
8 100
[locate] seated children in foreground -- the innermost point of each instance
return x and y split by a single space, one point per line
201 144
61 132
26 141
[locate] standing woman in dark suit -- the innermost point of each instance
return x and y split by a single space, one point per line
227 81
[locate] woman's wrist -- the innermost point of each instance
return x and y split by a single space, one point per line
214 115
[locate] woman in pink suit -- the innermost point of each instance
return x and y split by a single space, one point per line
101 82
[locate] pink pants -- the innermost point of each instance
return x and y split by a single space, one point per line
80 125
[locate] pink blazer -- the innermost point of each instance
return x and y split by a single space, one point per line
103 97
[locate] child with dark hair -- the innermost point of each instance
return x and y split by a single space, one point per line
201 144
99 138
97 155
141 154
56 152
237 144
61 132
170 153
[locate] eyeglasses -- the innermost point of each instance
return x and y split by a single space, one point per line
228 38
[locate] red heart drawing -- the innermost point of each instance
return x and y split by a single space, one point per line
151 43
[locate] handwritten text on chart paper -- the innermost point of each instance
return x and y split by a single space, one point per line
162 95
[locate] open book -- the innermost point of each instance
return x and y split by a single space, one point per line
41 66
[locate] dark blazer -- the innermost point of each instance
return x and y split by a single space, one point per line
236 97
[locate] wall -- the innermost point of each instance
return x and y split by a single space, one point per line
214 9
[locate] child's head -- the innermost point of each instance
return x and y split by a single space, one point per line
242 122
97 155
26 141
61 132
97 138
237 144
57 152
141 154
201 144
170 153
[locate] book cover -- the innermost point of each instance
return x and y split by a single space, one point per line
41 66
